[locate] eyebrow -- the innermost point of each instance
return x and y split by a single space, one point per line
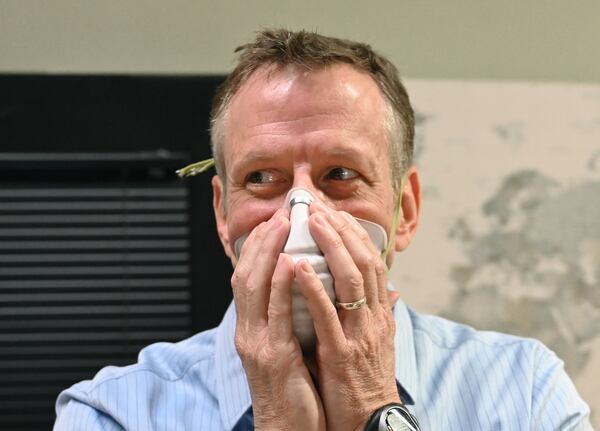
350 155
265 156
257 157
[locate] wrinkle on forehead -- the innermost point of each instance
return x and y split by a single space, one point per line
290 106
296 95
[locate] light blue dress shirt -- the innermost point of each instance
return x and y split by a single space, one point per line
459 379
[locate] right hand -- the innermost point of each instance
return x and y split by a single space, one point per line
283 393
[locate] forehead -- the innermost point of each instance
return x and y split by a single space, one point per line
279 84
294 98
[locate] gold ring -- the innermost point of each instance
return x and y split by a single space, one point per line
351 305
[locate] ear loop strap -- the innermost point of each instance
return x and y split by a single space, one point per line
395 220
195 168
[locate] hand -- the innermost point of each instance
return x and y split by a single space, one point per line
355 349
283 394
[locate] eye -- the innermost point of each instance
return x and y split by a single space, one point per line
260 177
341 174
265 177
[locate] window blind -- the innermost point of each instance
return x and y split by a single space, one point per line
90 272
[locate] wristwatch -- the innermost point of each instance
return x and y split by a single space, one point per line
392 417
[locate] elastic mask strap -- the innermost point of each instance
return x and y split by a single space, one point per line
395 220
195 168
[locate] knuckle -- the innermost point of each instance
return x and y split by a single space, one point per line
251 354
267 254
337 243
241 345
252 284
349 218
366 262
369 345
341 226
260 231
389 324
356 280
391 327
331 318
379 267
362 234
275 313
276 283
237 279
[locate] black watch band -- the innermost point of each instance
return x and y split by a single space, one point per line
392 417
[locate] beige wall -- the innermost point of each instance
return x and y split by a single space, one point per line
531 40
509 236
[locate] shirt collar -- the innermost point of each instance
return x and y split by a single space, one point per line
233 393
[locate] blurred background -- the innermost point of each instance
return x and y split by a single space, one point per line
103 250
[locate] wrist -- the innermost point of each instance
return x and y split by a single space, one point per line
389 400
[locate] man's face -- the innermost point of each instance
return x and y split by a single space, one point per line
322 130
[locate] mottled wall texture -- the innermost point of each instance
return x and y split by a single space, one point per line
510 231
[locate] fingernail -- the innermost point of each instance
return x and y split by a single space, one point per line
319 219
332 217
320 206
276 222
305 266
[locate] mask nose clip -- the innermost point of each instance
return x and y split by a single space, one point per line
298 196
300 200
300 242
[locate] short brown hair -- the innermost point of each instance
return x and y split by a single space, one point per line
308 50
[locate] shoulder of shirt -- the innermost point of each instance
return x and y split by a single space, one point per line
449 335
167 361
510 368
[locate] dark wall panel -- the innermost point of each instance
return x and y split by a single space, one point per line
103 250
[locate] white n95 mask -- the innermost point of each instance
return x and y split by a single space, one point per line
301 245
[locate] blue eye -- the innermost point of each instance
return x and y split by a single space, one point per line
260 177
341 174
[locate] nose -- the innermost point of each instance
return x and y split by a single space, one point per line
303 179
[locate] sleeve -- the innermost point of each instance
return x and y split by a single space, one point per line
556 405
77 416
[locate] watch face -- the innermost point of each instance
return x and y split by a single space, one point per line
400 419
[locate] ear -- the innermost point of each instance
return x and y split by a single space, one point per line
411 209
221 215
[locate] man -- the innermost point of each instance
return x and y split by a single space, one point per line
329 117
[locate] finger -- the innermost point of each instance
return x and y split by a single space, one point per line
280 301
324 314
375 263
258 284
361 232
243 270
348 278
252 277
378 263
363 256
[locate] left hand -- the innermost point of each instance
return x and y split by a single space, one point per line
355 348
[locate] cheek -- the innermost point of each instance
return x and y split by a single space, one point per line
244 217
374 209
